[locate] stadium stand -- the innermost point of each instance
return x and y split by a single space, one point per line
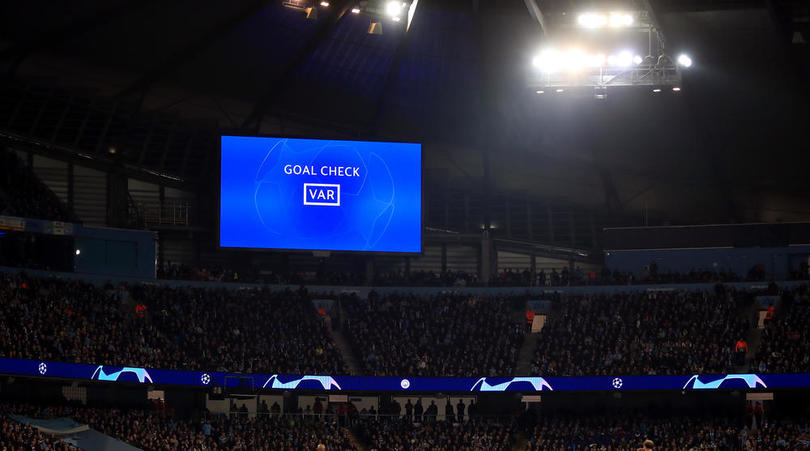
664 332
450 335
387 434
246 330
159 429
622 432
785 345
161 327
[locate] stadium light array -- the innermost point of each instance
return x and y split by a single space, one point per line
551 60
598 20
684 60
394 9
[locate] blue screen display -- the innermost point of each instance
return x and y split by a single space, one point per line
285 193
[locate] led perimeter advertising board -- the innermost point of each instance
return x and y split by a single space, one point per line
313 194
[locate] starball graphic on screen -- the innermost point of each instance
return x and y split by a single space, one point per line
309 194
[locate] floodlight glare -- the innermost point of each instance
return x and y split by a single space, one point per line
684 60
551 61
324 4
592 20
624 59
355 10
620 20
560 89
395 19
656 89
676 89
540 91
393 9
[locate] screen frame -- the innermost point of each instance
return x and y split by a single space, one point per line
218 183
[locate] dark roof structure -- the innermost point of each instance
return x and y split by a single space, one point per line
159 81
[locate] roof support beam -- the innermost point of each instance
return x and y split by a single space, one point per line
537 14
280 82
390 76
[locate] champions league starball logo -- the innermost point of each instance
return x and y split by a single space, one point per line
333 189
43 368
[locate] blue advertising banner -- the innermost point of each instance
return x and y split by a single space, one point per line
285 193
746 381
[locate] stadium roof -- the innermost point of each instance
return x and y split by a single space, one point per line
729 147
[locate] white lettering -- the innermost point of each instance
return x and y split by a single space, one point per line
326 171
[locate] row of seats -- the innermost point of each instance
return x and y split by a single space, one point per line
675 332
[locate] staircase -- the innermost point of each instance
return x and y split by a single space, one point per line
342 344
753 336
526 354
527 349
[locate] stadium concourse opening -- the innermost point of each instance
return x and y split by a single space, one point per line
405 225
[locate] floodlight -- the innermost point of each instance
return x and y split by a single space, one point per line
592 20
624 59
324 4
684 60
620 20
656 89
637 60
560 89
549 60
393 9
395 18
676 88
355 10
78 252
540 91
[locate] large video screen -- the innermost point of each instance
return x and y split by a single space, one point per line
312 194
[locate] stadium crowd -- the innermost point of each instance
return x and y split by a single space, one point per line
394 435
622 432
15 436
162 327
446 334
244 330
161 429
663 332
785 343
